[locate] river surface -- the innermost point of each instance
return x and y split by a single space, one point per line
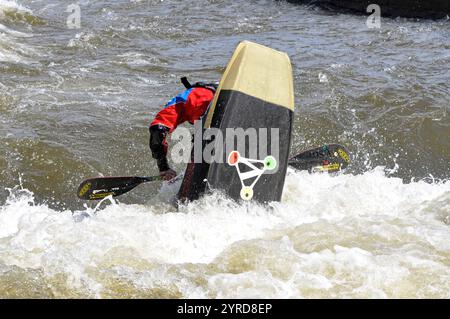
76 103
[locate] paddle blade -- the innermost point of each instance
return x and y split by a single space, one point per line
328 158
101 187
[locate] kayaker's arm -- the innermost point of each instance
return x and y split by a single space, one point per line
188 106
158 146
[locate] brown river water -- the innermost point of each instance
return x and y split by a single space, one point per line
76 102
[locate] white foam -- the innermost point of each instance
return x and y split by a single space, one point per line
11 6
360 236
11 49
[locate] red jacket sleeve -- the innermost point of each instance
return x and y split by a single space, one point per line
187 106
169 117
196 105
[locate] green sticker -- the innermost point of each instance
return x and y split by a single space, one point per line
270 162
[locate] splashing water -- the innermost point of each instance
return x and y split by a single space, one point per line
76 103
347 236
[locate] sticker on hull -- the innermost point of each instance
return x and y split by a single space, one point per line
269 163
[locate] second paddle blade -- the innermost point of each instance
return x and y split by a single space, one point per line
328 158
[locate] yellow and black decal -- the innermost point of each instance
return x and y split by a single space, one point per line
83 189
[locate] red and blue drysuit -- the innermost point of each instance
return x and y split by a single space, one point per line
188 106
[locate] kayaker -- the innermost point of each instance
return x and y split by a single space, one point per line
188 106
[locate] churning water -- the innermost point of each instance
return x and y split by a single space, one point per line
76 103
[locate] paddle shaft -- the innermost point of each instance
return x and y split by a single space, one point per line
331 158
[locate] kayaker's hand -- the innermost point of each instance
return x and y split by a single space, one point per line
168 175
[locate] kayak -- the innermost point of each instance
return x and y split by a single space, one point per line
255 98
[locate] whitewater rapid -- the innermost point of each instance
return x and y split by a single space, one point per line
363 234
369 236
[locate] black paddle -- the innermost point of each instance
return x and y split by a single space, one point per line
101 187
328 158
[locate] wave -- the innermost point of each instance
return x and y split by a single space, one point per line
12 47
12 12
364 236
